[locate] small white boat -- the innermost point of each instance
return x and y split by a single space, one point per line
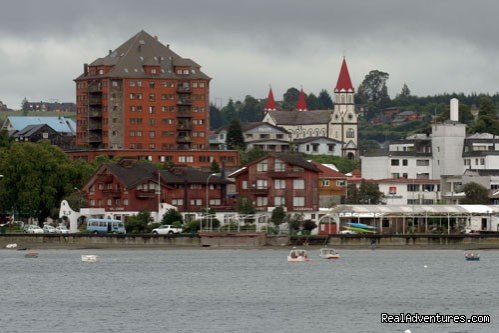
327 253
11 246
89 258
297 255
472 256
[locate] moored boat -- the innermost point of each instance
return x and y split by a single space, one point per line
297 255
327 253
471 256
31 255
89 258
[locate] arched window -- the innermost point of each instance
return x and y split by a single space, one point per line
350 133
350 99
323 132
316 132
342 98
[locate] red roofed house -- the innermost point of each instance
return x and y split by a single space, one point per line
332 185
279 179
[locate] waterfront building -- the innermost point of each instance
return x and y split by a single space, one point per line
128 187
142 95
279 179
446 155
332 185
340 124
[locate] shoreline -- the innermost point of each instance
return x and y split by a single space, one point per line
251 240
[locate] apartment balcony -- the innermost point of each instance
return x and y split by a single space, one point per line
183 89
94 138
95 88
95 114
184 127
95 126
184 101
97 100
111 193
184 114
259 190
183 139
146 194
284 174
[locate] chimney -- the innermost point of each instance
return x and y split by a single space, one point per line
110 51
454 109
85 69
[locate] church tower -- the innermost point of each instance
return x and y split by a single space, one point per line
344 118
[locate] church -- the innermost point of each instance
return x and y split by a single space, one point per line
340 124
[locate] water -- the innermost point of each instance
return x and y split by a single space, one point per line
208 290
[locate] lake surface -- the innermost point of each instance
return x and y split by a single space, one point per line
209 290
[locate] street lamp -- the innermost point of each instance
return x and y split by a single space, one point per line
207 184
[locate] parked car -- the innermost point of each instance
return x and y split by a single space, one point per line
166 229
61 230
33 229
48 229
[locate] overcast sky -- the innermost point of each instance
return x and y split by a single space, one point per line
433 46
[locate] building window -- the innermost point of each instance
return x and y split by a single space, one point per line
404 162
215 202
279 184
262 166
279 165
245 184
196 202
395 162
298 201
325 182
261 201
177 202
298 184
279 201
261 183
350 133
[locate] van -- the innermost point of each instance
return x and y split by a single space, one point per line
105 226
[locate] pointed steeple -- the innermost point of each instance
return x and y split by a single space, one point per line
270 106
344 82
301 105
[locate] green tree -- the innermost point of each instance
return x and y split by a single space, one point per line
139 223
325 100
216 119
4 139
352 195
229 112
290 98
487 121
251 155
214 167
476 194
245 206
235 138
278 215
251 110
369 193
172 217
37 176
313 102
373 92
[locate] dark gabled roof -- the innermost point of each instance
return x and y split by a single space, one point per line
133 174
295 159
301 117
182 175
249 126
143 49
268 140
30 130
315 138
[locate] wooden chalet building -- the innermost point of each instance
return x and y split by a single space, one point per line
279 179
133 186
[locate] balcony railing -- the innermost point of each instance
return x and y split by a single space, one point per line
146 194
283 174
112 192
95 126
184 101
183 89
95 138
186 114
95 113
183 139
95 101
184 127
259 190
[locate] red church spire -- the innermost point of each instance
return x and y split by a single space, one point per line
270 102
301 105
344 82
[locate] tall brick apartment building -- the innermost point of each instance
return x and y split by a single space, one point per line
142 95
